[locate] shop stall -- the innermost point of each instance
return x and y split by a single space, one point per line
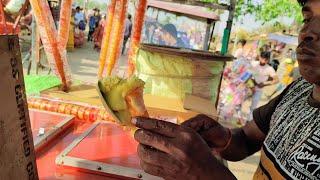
84 141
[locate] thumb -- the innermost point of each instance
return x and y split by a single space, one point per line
216 136
195 123
200 123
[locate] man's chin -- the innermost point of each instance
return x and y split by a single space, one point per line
310 73
312 80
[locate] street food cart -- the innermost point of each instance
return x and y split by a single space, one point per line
82 141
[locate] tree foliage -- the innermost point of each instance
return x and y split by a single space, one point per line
267 10
93 4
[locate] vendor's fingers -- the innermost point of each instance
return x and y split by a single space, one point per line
157 126
194 123
214 137
154 170
153 156
200 122
154 140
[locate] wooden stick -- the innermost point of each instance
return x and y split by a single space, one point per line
35 47
136 36
64 23
56 56
117 36
106 37
3 19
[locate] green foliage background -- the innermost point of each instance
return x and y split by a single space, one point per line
268 10
92 4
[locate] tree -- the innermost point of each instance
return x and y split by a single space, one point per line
267 10
93 4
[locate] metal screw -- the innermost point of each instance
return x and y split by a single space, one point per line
99 168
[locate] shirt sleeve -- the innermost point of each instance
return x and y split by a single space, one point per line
272 72
262 116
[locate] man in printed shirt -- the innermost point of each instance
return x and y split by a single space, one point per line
286 130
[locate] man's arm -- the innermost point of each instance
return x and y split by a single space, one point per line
273 77
272 80
244 142
241 143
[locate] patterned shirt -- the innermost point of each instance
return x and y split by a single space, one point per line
291 121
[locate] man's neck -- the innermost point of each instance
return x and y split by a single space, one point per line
316 93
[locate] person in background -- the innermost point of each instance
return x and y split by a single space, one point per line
149 33
79 38
274 59
156 39
92 24
240 53
285 72
98 33
71 39
263 75
265 48
185 40
55 11
97 16
127 33
80 19
169 36
286 67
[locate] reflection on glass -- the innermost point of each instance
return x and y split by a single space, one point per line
169 29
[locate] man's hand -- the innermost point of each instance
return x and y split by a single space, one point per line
261 85
210 130
176 152
232 145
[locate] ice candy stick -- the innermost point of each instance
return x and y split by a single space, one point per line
137 30
64 23
35 45
117 35
106 38
56 55
3 22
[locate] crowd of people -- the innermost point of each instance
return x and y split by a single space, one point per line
92 22
247 77
95 23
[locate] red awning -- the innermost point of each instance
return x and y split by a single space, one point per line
194 11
